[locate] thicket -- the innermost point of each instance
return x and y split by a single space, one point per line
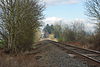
20 19
93 11
70 33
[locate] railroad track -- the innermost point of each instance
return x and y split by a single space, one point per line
91 56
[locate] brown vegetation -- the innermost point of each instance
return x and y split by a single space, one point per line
18 61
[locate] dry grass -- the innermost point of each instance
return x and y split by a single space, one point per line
17 61
21 60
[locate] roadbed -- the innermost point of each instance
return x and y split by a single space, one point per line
48 55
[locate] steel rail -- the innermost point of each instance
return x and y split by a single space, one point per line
90 59
93 51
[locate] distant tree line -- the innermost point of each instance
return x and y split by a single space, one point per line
65 33
75 32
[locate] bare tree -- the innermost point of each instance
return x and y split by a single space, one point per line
79 30
58 31
93 8
93 11
20 20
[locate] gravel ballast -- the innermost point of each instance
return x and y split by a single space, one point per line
55 57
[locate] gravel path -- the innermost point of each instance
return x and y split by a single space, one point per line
54 57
